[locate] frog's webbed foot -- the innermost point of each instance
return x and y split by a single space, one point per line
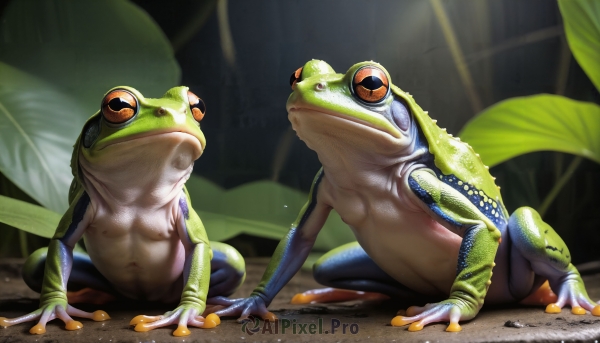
50 312
181 316
327 295
572 292
445 311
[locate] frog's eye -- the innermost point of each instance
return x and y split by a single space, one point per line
197 106
119 106
296 77
370 84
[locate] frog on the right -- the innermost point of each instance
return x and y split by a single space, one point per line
427 214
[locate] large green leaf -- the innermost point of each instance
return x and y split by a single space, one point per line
38 126
264 208
28 217
87 47
541 122
582 27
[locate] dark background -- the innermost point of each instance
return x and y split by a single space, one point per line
512 48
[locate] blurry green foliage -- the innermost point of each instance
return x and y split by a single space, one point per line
76 57
548 122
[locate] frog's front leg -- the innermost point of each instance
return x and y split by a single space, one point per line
59 261
196 278
476 255
193 298
549 257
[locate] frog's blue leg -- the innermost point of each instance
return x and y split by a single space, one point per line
550 258
83 273
227 270
350 268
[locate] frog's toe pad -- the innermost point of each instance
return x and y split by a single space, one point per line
73 325
416 326
269 316
596 311
329 295
552 308
577 310
38 329
181 331
100 316
400 321
454 327
143 319
142 327
211 321
4 322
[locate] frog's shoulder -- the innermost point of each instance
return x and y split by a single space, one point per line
76 184
452 157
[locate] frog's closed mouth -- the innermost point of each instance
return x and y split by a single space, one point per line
297 110
152 135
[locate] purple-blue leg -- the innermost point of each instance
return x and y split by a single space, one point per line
537 245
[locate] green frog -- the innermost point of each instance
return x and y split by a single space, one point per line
427 215
128 201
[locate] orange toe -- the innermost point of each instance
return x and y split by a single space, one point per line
552 308
211 321
100 316
270 316
38 329
400 321
142 319
141 327
300 298
578 310
73 325
453 327
416 326
4 322
596 310
542 296
181 331
412 311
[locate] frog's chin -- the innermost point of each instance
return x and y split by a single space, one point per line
316 127
197 142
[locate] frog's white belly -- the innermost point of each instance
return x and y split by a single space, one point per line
404 241
139 251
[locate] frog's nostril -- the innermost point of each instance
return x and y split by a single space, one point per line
319 86
161 111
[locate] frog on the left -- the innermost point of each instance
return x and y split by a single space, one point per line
128 201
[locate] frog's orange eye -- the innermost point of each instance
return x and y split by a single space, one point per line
370 84
119 106
296 77
197 106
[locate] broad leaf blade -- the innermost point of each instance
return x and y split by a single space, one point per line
582 27
88 47
38 126
541 122
28 217
264 209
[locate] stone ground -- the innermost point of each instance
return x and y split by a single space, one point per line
368 321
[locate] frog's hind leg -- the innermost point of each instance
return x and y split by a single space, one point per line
85 285
353 276
549 258
227 270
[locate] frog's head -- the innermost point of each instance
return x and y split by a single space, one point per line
130 129
358 108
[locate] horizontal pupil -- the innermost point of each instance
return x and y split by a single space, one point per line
200 105
371 82
118 104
